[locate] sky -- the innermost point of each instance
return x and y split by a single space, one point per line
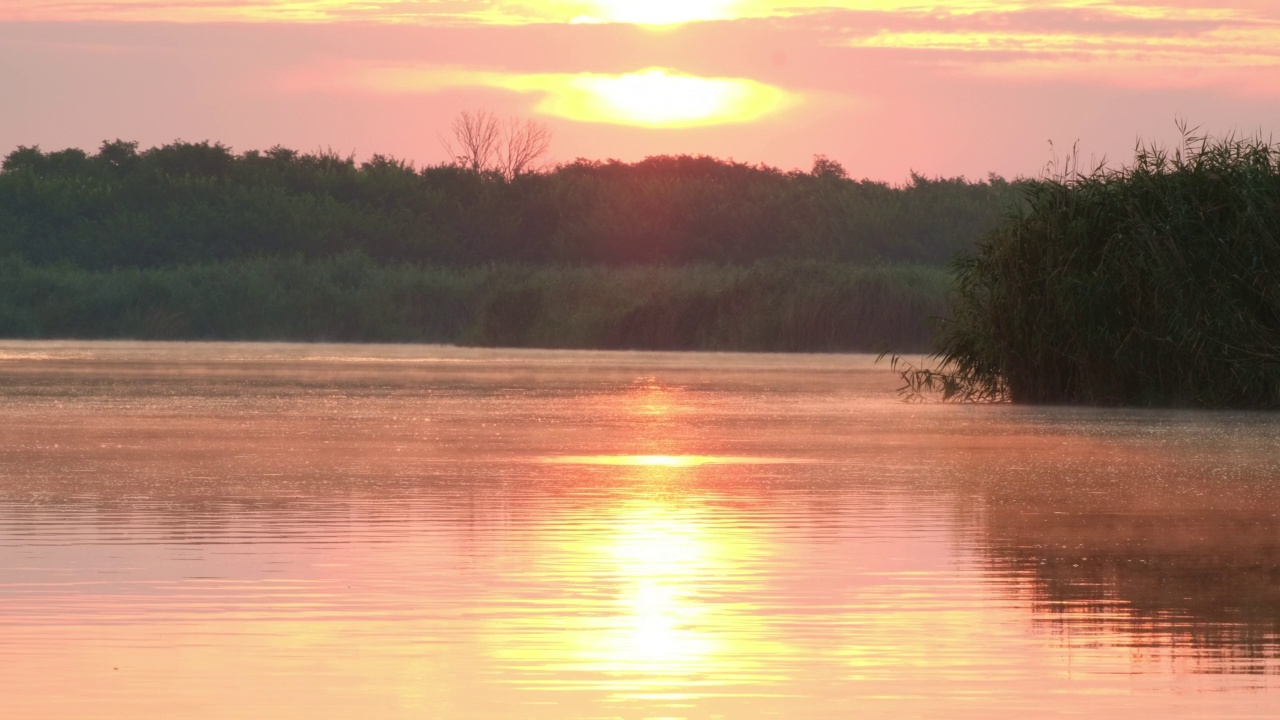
884 87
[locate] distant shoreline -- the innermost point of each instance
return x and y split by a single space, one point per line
782 306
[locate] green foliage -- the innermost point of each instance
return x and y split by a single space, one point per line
188 203
1154 284
804 306
192 240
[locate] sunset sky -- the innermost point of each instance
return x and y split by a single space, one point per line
882 86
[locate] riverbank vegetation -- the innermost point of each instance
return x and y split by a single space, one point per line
779 305
199 202
1154 284
193 240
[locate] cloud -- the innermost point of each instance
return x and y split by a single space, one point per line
1130 43
1123 47
1116 42
649 12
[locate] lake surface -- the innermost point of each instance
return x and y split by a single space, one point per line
324 531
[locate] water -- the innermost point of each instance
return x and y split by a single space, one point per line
290 531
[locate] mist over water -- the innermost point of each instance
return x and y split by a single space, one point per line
258 530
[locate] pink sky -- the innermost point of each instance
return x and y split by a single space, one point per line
882 86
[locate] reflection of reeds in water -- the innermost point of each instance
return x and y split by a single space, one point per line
1203 588
1151 534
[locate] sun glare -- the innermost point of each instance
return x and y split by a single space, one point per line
654 97
657 97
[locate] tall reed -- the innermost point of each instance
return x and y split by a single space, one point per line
1153 284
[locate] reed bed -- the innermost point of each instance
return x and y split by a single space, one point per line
770 306
1150 285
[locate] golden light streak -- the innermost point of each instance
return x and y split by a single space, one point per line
661 12
641 12
1218 47
654 97
672 461
1246 59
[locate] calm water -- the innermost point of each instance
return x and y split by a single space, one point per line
287 531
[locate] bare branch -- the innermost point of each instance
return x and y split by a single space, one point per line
478 134
482 144
525 141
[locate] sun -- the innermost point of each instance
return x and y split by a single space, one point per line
653 97
660 12
658 97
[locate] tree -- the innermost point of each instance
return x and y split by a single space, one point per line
523 143
475 140
825 167
482 143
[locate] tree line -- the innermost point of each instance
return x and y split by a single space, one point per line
200 202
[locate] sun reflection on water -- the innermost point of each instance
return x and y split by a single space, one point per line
661 627
662 604
671 461
644 615
665 632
